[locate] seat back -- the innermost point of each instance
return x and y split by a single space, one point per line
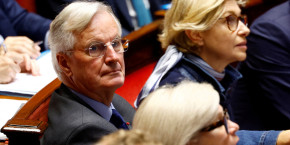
140 59
29 123
29 5
144 47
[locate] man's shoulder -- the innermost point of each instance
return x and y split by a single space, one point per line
119 100
72 120
83 129
124 108
65 105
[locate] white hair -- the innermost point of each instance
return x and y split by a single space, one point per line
71 21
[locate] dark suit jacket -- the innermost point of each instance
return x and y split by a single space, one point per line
72 121
50 8
261 99
121 11
16 21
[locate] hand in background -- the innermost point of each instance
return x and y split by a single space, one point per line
8 69
23 45
27 64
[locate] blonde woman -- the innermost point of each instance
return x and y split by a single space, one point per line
202 38
186 114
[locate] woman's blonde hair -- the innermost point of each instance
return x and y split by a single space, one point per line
71 21
175 115
128 137
195 15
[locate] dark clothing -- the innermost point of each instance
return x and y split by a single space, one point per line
50 8
72 121
16 21
186 69
261 99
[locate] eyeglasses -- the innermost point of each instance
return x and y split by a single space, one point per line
98 49
233 21
219 123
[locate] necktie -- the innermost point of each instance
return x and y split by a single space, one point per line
143 15
117 120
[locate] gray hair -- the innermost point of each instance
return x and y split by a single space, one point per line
71 21
175 115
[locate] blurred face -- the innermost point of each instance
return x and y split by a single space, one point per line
219 135
222 46
93 75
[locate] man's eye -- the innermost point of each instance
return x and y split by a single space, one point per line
115 43
94 47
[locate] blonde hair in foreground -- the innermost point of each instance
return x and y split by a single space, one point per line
175 115
195 15
127 137
71 21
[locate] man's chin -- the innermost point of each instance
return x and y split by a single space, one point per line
115 83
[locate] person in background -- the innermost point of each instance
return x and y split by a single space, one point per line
132 14
260 100
128 137
21 33
202 39
20 28
87 55
190 114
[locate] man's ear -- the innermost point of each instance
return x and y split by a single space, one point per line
63 62
195 37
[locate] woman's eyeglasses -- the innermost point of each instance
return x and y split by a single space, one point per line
233 21
219 123
98 49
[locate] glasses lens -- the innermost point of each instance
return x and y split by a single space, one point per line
120 45
232 22
116 44
244 19
97 49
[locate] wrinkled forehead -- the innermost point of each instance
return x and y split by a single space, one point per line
102 28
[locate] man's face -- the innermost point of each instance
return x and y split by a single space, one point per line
97 75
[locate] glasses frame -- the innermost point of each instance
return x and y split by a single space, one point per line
242 18
223 121
124 43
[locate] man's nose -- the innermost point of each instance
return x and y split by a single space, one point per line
111 54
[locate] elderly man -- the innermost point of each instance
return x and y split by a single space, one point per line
87 54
